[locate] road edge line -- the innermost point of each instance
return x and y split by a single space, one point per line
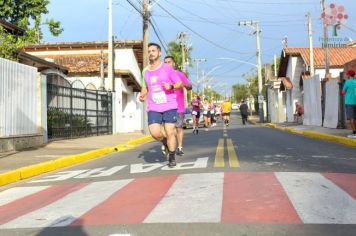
65 161
313 134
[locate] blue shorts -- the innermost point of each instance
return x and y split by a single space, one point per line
351 111
169 116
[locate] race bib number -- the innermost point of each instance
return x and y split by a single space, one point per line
212 112
159 98
205 112
194 113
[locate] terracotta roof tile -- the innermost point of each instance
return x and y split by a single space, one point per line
338 57
84 63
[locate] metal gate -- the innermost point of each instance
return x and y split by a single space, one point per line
75 111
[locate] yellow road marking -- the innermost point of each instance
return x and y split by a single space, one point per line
219 156
233 161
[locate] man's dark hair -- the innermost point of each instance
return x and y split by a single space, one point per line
155 44
168 56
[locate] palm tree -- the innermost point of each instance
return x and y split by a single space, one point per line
175 50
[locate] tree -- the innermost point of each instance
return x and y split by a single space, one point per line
175 50
240 92
26 14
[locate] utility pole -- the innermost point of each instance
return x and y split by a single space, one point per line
326 39
311 53
102 70
181 38
255 24
110 52
146 16
275 65
198 60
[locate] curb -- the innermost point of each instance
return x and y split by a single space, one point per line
317 135
37 169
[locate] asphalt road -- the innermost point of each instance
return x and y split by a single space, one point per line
235 180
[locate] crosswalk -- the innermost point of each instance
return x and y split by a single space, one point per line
231 197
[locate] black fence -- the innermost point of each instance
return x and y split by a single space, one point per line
75 111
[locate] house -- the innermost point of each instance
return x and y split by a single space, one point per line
295 62
11 28
87 65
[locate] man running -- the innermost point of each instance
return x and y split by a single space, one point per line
160 81
226 109
181 103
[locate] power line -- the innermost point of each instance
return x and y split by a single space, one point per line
203 19
135 7
156 31
198 34
267 3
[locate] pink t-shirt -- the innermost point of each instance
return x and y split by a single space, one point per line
180 92
160 99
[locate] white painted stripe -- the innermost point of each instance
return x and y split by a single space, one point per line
317 200
192 198
66 210
16 193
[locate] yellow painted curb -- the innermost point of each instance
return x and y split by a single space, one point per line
271 125
10 177
329 137
37 169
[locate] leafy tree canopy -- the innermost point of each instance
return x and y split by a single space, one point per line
26 14
175 50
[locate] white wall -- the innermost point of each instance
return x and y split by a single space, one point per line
312 101
125 60
334 72
331 104
18 99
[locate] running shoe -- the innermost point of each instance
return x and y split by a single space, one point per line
351 136
172 162
164 150
180 151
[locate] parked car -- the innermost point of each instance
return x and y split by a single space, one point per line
235 106
188 119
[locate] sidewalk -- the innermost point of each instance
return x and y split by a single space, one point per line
319 132
61 153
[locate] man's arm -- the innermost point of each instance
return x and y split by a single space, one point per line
143 94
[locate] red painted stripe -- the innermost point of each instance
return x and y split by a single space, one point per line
131 204
256 198
35 201
347 182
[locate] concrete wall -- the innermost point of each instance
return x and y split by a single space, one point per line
312 101
20 142
331 104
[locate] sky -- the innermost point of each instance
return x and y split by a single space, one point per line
211 26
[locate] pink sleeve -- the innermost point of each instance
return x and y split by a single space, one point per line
184 78
172 74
